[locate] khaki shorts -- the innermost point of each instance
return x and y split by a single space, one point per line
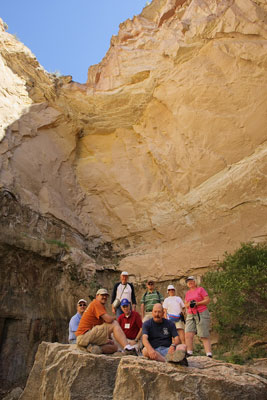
98 335
202 327
179 325
148 315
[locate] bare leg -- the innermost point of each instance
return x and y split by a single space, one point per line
181 347
159 357
189 336
109 348
118 334
206 344
179 339
181 335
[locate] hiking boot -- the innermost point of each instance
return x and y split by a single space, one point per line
94 349
177 357
131 352
184 362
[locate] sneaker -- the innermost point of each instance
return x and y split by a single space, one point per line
177 357
210 356
131 352
93 349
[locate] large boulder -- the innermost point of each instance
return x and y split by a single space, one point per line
64 372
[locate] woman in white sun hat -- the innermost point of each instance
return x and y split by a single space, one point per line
173 310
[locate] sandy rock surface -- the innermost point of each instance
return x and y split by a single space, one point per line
63 372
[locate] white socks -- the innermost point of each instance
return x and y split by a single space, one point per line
128 347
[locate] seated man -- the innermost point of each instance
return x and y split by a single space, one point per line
96 326
131 324
75 320
158 334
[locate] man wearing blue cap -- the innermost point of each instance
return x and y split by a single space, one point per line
131 323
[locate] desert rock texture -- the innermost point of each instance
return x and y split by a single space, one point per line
63 372
156 165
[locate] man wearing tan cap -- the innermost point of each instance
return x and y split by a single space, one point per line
96 326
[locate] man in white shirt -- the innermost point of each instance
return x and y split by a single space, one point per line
123 290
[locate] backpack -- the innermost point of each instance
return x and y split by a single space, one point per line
157 294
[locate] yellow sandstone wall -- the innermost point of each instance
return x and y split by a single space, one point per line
162 154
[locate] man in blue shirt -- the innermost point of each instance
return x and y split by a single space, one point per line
75 320
160 339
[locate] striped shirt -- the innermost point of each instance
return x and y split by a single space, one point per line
149 299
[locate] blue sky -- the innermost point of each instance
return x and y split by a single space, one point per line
68 35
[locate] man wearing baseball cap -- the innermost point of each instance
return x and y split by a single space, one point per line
122 290
150 297
96 326
131 323
75 320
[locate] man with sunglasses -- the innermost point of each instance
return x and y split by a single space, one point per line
149 299
96 326
75 320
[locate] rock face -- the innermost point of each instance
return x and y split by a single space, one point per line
62 372
156 165
162 153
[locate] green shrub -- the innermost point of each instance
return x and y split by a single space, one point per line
238 290
58 243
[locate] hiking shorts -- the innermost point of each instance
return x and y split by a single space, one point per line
148 315
98 335
200 327
179 325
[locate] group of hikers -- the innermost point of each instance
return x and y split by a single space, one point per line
163 332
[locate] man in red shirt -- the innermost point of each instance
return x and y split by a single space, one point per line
131 323
96 326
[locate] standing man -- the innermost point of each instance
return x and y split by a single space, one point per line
75 320
150 297
160 339
123 290
131 324
95 328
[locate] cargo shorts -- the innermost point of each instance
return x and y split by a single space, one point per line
200 327
98 335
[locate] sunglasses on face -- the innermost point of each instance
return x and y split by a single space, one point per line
82 305
125 306
150 283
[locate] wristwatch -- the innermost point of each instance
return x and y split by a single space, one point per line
173 345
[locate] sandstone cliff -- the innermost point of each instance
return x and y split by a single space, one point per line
157 165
